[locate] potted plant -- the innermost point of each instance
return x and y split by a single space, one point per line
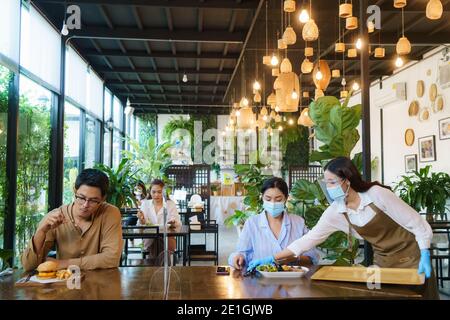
425 191
215 189
121 184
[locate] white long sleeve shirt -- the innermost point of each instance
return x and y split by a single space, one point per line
333 219
157 218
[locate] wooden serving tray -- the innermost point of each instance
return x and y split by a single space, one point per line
361 274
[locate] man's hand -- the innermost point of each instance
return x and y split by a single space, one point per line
238 261
52 221
62 264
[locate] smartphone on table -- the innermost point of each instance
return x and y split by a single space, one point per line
223 270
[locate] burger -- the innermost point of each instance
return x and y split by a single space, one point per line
47 270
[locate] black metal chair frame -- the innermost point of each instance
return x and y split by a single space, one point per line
206 227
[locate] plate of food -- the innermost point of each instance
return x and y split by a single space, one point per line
48 272
282 271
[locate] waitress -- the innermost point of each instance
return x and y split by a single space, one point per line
400 237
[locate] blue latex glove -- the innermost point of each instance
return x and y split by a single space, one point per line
425 263
258 262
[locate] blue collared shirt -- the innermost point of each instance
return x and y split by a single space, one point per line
258 241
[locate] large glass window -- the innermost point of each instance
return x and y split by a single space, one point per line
32 159
91 142
118 114
107 147
72 120
76 77
4 82
117 148
107 103
40 47
95 94
9 26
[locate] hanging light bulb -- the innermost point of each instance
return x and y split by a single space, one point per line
274 60
343 82
256 85
280 128
355 86
64 30
223 133
399 62
265 118
358 44
434 9
185 78
294 95
319 75
291 122
238 113
304 16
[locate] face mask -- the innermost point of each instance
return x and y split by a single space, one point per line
274 208
337 193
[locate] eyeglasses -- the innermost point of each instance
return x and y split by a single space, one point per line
82 201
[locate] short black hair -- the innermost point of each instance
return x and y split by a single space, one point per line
275 182
93 178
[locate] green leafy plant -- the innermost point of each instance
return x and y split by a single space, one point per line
149 160
253 179
5 255
425 191
294 138
335 125
148 123
178 123
121 183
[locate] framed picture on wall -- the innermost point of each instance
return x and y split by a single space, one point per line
427 149
444 129
410 162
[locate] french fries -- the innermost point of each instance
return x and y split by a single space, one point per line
63 274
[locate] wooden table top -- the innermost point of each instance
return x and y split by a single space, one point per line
142 283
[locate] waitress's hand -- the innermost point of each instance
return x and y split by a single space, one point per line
141 217
425 263
259 262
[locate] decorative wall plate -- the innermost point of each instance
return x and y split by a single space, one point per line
420 88
433 92
409 137
424 114
439 105
413 109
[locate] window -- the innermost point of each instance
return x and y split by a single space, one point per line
76 77
95 94
72 121
107 105
10 26
91 142
32 158
107 147
5 75
118 114
117 148
40 47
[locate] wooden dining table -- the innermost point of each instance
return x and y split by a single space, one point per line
202 282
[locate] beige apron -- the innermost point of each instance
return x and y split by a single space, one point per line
393 246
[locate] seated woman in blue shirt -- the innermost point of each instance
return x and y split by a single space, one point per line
272 230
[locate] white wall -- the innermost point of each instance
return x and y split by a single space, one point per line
396 120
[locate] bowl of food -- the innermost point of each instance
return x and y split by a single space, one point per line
282 271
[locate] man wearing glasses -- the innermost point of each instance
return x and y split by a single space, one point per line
86 233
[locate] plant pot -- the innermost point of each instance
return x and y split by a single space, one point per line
215 193
429 217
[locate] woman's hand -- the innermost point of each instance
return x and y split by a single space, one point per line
141 217
238 261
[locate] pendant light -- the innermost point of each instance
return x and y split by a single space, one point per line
379 52
351 53
345 10
289 36
304 118
307 66
370 27
355 86
351 23
275 72
358 44
336 73
399 62
286 66
274 60
309 51
339 46
289 6
282 44
310 30
403 46
434 9
272 100
399 4
304 16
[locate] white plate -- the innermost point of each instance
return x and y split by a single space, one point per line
52 280
285 274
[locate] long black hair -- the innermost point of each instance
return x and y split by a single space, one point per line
275 182
344 168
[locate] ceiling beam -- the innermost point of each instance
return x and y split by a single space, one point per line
217 4
164 35
162 70
176 94
168 83
200 103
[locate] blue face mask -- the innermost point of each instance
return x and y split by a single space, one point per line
273 208
336 193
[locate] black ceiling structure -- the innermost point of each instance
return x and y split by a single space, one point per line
142 48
